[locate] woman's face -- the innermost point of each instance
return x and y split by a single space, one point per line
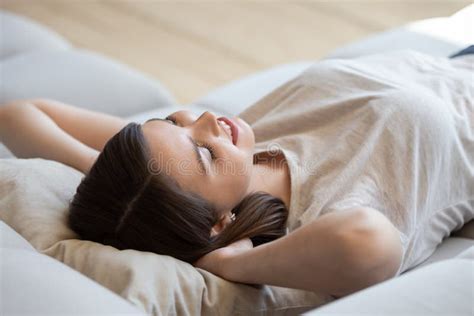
199 153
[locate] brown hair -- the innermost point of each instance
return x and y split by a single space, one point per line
121 203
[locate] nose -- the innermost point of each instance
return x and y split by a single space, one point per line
205 124
208 122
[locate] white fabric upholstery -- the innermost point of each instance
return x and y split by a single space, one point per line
467 254
82 78
437 36
10 239
28 36
237 95
457 29
35 284
443 288
450 248
400 38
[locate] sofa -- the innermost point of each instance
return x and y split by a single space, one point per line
44 270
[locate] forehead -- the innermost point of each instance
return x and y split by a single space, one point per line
161 138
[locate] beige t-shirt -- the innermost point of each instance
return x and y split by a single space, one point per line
394 132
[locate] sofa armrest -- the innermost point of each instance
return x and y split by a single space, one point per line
441 36
442 288
81 78
25 35
10 239
35 284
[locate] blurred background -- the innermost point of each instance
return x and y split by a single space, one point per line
195 46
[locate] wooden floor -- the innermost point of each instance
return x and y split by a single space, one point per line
195 46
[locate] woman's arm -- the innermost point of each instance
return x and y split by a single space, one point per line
53 130
92 128
337 254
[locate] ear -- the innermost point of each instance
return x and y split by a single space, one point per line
221 224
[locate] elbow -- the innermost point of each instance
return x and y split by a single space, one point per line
7 108
374 250
11 105
10 110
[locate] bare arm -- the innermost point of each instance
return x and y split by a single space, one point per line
337 254
92 128
53 130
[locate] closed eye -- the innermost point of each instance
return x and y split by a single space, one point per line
171 119
196 145
209 148
166 119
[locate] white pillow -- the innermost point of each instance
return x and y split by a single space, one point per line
35 284
34 197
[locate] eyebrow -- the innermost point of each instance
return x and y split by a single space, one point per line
193 143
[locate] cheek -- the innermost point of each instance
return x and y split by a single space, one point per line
243 175
233 180
233 191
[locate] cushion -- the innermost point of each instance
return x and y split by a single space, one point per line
34 195
24 35
396 39
81 78
50 287
10 239
450 248
235 96
437 36
467 254
442 288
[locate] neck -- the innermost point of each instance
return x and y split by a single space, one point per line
272 177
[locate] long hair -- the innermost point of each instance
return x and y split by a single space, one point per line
121 203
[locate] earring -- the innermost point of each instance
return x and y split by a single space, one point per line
232 217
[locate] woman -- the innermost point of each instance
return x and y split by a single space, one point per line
343 177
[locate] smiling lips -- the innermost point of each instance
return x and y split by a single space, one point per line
230 128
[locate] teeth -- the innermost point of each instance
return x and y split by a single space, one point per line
227 127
